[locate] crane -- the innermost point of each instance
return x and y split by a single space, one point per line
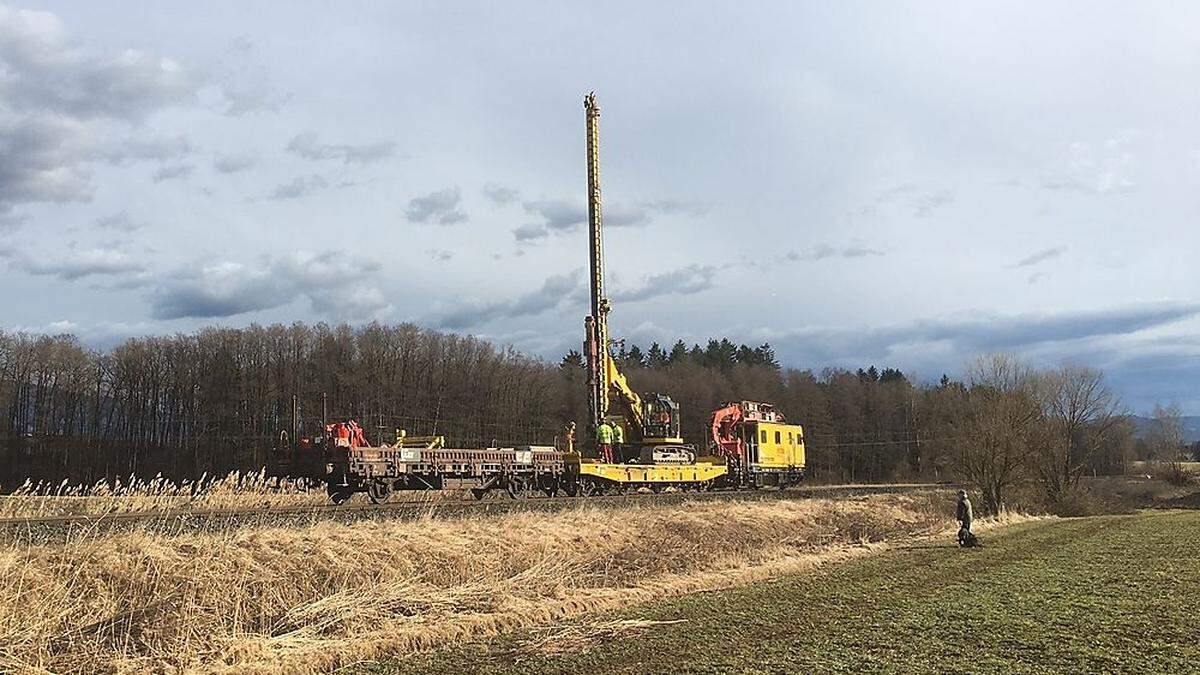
651 421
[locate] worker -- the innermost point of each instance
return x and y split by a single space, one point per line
964 514
569 437
618 435
604 439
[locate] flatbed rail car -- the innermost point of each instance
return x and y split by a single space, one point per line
380 470
517 471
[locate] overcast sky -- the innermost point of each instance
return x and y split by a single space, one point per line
907 185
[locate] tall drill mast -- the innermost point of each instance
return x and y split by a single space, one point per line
596 324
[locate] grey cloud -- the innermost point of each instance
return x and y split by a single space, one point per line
56 99
895 192
674 206
307 146
440 254
10 223
621 215
47 73
121 222
147 149
234 163
556 290
252 97
961 338
558 214
75 263
823 251
334 282
910 195
172 172
564 215
499 194
439 207
1039 257
1096 168
299 187
926 204
41 160
684 281
530 233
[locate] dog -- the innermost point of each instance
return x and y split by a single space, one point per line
967 539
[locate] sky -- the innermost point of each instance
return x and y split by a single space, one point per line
908 185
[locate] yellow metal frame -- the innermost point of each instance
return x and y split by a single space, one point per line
653 473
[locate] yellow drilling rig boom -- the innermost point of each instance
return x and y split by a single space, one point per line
652 420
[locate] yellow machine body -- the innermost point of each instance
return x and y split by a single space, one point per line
777 446
631 474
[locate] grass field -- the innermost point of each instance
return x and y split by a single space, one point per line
1099 594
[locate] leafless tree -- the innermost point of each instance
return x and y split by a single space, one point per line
1165 440
1080 414
987 424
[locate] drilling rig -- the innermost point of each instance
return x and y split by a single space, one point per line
651 421
749 442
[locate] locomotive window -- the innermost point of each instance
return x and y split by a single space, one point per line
778 438
764 435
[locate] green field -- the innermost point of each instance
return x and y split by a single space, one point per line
1100 594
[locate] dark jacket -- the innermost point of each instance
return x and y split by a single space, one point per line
964 514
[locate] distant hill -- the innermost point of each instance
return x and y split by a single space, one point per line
1191 427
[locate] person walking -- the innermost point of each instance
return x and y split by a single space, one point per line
964 514
604 439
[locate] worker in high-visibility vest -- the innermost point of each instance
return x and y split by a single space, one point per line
604 439
618 434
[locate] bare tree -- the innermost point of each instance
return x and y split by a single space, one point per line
1080 413
1166 442
987 426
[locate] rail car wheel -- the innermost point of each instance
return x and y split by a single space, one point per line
517 488
379 490
479 493
551 488
340 495
571 488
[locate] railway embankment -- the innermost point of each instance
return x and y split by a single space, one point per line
310 597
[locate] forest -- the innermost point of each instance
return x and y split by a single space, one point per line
222 399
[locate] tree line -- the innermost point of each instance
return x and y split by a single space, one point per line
221 399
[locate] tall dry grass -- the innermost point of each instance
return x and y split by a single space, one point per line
311 598
237 490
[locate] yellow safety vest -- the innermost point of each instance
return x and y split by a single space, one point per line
604 433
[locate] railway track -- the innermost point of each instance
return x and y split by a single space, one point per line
58 528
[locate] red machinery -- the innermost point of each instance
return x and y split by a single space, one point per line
727 425
346 435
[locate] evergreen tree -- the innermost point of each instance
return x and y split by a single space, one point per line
679 352
765 356
656 358
746 356
635 357
571 360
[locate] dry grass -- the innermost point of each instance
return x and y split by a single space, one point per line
235 491
311 598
